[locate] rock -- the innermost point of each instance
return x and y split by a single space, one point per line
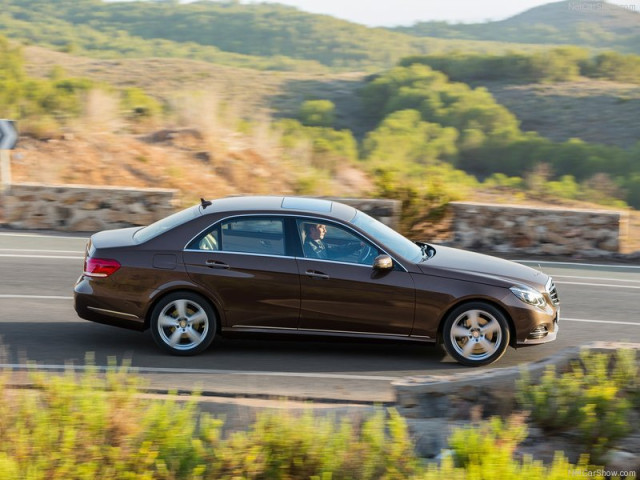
89 224
429 436
622 461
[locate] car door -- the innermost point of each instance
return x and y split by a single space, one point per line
243 262
342 293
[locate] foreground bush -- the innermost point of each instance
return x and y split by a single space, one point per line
99 426
594 399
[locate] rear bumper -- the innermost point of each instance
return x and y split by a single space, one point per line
91 307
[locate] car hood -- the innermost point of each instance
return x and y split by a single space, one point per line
461 264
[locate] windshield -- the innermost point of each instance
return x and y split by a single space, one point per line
388 237
152 231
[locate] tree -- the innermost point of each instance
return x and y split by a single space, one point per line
317 113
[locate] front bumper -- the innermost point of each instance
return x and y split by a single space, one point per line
535 338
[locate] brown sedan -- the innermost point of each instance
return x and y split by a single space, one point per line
308 267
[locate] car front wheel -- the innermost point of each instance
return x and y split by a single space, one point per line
183 323
475 334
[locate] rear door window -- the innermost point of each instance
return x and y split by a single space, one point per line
264 236
259 235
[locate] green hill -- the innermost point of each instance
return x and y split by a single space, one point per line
264 36
584 23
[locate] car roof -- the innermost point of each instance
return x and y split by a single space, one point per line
281 205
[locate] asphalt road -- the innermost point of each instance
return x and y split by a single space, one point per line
38 325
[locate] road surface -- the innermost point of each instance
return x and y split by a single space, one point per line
39 325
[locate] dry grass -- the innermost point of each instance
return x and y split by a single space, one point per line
124 160
595 111
198 148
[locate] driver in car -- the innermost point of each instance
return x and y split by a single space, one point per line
315 247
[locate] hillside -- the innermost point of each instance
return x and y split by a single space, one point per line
591 110
204 148
594 111
195 163
584 23
265 36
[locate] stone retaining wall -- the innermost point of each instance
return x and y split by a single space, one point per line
76 208
495 228
79 208
538 231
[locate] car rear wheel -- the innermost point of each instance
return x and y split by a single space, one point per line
183 323
476 334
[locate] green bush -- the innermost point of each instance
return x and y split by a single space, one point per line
475 445
317 113
594 399
138 105
557 64
486 452
98 425
324 148
425 192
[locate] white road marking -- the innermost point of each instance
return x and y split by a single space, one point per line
198 371
599 285
63 257
570 264
597 278
37 297
41 251
36 235
615 322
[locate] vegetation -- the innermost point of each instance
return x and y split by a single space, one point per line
99 426
276 37
328 149
595 399
591 24
554 65
317 113
265 36
56 100
423 117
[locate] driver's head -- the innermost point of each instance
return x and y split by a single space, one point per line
316 231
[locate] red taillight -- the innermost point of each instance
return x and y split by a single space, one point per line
100 267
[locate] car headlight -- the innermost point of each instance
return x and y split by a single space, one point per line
529 295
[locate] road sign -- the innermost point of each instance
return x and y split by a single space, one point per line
8 135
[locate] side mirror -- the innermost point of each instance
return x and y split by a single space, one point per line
383 262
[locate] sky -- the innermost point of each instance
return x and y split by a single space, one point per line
390 13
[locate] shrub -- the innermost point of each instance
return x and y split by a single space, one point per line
486 452
137 105
327 149
317 113
593 398
99 426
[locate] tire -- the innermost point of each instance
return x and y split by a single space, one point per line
183 323
475 334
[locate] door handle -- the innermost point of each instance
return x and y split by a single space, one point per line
315 274
216 264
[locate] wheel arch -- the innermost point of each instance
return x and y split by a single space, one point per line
187 289
494 304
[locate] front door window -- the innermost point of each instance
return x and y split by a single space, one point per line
325 241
